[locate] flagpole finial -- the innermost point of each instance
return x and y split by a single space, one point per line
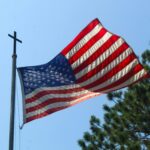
15 37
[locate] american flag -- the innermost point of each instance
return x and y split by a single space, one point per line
95 62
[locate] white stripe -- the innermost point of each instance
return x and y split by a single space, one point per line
59 104
109 67
51 96
100 59
65 87
91 50
117 76
128 82
83 41
63 104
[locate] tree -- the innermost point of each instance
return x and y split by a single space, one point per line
127 123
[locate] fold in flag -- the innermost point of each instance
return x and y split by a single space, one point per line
95 62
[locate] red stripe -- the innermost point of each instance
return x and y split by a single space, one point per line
88 45
50 111
85 31
112 72
103 64
135 70
54 100
99 52
46 92
54 110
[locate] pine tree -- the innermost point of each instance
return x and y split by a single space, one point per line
127 123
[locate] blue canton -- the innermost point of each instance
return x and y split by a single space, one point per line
57 72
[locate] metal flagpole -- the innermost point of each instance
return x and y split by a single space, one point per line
13 90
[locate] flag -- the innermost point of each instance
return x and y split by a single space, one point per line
95 62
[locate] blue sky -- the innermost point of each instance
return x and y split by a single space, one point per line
46 27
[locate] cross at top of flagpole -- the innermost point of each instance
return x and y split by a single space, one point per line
15 40
15 37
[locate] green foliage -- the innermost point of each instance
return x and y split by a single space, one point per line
127 123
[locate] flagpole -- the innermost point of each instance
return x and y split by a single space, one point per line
13 91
